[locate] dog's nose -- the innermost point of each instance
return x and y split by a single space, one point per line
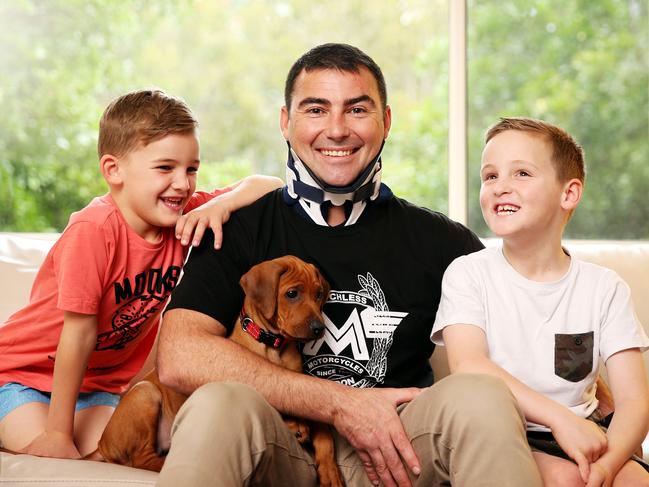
317 327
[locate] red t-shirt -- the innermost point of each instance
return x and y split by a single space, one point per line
99 266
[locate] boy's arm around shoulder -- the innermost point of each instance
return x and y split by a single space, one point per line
630 424
216 212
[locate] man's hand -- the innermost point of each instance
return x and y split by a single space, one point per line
581 439
370 422
53 444
212 214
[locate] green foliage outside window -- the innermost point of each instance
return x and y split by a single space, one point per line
580 64
64 60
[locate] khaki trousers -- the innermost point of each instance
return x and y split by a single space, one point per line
467 431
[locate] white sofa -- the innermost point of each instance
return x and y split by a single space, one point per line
21 255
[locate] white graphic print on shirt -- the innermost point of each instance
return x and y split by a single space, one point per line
355 322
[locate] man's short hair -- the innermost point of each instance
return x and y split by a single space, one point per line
141 117
567 154
342 57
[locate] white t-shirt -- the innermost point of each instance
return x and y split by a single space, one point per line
549 335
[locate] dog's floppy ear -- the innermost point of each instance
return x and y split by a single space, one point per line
260 285
325 284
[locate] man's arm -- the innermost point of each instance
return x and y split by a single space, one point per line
581 439
193 351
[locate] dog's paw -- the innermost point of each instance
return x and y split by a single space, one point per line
330 477
300 429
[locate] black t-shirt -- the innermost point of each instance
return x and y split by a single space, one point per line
385 273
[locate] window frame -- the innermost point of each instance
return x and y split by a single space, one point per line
458 191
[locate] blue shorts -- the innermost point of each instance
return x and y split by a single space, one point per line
13 395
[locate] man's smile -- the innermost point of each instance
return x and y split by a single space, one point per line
337 152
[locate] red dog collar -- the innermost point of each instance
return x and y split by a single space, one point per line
258 333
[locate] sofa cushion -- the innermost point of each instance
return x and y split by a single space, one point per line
24 470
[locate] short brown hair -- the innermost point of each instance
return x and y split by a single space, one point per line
342 57
141 117
567 154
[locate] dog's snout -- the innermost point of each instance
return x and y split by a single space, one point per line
317 327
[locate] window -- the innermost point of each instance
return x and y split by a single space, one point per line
63 61
581 65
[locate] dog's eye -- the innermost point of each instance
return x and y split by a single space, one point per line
291 293
319 295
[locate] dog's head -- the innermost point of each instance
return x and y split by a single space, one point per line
289 294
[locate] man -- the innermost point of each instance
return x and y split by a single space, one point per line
368 375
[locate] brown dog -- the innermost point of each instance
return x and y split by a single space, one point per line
283 306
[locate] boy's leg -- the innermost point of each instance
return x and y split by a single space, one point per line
22 425
228 435
631 475
557 471
23 414
468 431
92 412
89 424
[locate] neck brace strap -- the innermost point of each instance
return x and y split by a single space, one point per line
311 192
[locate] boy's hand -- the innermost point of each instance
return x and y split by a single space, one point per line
53 444
599 476
212 214
582 440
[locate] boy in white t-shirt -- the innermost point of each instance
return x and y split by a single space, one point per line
530 314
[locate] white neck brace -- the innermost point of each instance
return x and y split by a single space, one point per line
311 192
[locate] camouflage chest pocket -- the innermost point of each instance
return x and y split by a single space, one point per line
573 355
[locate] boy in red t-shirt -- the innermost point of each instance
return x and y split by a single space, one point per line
95 305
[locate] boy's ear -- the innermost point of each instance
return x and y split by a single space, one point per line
571 196
109 165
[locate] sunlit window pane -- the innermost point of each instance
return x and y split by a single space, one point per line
582 65
62 61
